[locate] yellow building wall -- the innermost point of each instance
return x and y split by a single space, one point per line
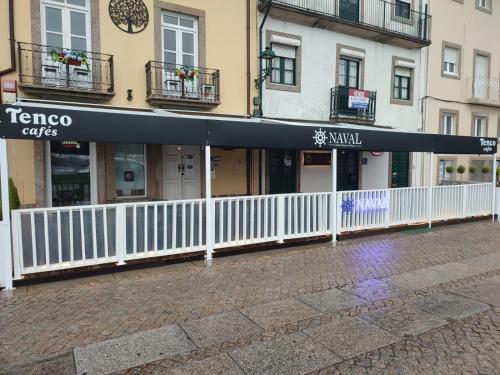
226 50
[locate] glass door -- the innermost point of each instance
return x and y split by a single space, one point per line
349 9
66 33
348 78
180 55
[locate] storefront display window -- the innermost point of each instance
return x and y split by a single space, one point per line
130 171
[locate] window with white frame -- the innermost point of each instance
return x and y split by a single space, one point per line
402 82
130 170
448 125
451 58
444 167
402 9
284 64
180 39
479 126
485 4
66 24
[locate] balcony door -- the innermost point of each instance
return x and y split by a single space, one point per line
348 78
66 33
180 55
349 9
481 76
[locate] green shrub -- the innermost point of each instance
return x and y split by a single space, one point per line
485 169
460 169
14 201
472 169
449 169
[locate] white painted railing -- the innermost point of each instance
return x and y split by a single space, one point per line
2 271
51 239
497 200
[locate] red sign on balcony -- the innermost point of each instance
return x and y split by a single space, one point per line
9 85
358 99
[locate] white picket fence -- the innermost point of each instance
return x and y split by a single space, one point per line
2 270
51 239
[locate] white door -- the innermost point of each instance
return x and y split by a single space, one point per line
481 76
181 168
66 33
180 51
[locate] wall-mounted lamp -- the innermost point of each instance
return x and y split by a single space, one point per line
129 95
268 55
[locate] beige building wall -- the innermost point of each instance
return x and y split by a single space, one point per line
222 45
462 25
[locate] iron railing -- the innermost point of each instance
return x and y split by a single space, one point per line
485 89
61 68
182 82
340 108
392 16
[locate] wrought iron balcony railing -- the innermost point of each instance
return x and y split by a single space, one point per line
394 17
353 104
45 68
181 84
484 90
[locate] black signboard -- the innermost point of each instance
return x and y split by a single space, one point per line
99 125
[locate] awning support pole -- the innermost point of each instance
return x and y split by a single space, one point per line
209 206
5 234
334 195
494 188
429 194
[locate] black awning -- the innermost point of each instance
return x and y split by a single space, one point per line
98 125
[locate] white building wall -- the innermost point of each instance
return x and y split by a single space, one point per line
318 70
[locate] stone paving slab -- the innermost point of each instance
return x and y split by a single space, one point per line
349 337
132 350
427 277
402 320
485 263
293 354
487 291
374 289
220 365
279 313
331 300
219 328
448 306
60 364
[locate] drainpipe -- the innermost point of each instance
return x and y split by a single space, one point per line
260 53
12 41
249 78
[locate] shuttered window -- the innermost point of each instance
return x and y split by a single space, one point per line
402 80
450 61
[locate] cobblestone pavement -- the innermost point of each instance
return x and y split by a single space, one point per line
51 319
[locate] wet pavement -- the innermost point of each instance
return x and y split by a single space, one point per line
374 305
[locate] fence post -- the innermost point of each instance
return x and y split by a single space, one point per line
6 244
209 206
429 190
334 195
121 233
16 244
493 187
389 210
465 192
280 216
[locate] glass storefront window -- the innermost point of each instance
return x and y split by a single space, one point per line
130 170
70 173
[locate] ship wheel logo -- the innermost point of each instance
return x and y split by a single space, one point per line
319 137
347 206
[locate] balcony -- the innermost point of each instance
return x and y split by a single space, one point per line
378 20
353 105
179 85
483 90
55 72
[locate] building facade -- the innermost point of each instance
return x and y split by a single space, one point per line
463 83
184 56
349 62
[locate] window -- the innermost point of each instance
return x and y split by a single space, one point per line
479 126
451 58
402 80
443 174
484 4
130 171
283 65
448 124
479 175
348 73
402 9
180 39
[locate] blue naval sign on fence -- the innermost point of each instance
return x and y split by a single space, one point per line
365 204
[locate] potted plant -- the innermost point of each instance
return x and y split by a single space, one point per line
498 175
69 57
14 201
460 171
449 169
485 170
472 169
